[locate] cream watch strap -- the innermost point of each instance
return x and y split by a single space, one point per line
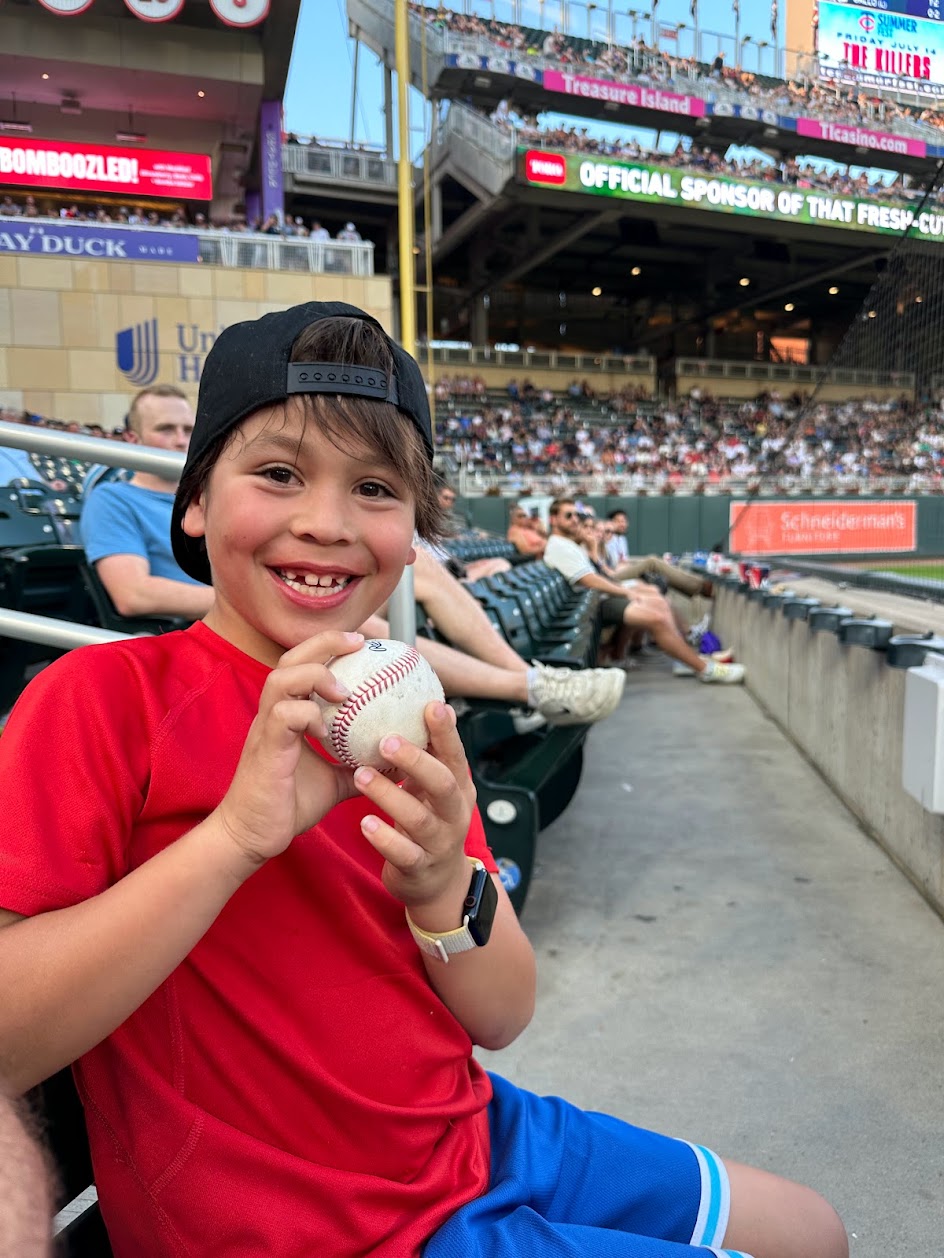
445 943
442 945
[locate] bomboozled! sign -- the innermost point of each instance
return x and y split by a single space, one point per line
653 184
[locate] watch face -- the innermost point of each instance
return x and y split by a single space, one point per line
480 905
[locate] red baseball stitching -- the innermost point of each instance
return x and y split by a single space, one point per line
369 689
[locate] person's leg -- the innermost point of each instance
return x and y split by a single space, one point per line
25 1196
561 695
657 618
776 1218
688 583
480 568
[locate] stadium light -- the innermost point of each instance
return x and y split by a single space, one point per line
13 124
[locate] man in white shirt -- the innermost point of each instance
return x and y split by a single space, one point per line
641 607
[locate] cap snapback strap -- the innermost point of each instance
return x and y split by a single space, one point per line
342 378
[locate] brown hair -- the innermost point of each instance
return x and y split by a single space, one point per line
348 421
153 390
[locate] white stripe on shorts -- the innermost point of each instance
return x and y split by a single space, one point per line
715 1205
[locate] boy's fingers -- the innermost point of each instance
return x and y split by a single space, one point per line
446 745
321 648
411 813
399 849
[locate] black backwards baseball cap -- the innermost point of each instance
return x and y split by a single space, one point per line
248 368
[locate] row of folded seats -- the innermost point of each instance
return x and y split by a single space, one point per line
524 781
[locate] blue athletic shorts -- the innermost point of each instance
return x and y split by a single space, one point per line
567 1183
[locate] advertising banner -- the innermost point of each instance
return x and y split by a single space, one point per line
497 64
92 240
880 47
28 163
652 184
624 94
842 133
822 527
270 134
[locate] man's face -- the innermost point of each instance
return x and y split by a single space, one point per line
566 522
619 523
447 499
166 422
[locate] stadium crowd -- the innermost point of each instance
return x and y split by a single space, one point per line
538 441
533 444
821 99
703 160
177 219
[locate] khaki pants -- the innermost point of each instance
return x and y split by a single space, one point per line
685 582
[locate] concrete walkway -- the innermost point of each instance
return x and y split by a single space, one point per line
725 956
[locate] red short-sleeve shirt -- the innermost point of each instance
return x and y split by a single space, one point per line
295 1087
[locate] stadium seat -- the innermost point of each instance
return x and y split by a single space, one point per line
46 581
110 618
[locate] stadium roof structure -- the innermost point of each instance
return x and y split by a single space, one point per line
102 72
533 249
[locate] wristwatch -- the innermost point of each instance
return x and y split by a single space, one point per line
479 907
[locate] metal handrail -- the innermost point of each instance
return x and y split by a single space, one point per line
70 445
66 634
218 247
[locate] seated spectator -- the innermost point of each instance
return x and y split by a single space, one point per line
350 234
125 524
318 232
526 533
626 569
640 607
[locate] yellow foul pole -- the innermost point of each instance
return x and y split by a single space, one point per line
402 608
405 183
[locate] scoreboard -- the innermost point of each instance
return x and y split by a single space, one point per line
887 44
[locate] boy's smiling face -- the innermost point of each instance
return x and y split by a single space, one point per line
302 536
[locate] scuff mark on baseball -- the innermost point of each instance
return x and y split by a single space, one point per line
390 685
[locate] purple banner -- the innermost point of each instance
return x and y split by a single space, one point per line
841 133
92 240
625 94
270 148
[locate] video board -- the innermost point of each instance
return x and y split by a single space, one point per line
890 44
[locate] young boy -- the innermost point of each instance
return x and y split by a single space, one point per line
271 973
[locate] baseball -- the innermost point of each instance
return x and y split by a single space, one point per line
390 685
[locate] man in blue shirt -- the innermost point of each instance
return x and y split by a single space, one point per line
125 525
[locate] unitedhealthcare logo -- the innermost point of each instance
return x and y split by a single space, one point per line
137 352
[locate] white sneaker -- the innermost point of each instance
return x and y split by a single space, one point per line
724 674
682 670
526 720
566 696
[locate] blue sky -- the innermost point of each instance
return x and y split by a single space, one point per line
318 97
